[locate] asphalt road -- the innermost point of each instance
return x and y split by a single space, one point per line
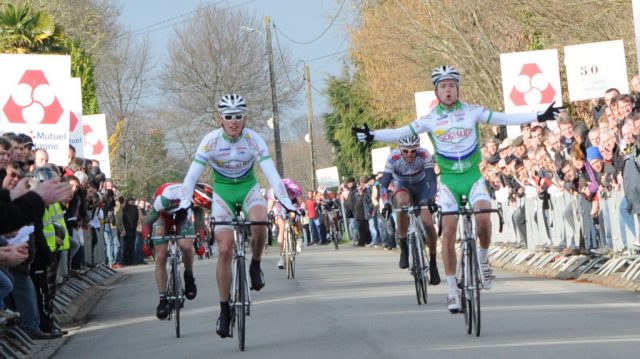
356 303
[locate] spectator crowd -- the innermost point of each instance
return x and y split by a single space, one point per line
57 221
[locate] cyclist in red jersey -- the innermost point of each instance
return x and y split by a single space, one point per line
294 191
165 212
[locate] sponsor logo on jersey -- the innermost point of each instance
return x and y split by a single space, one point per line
461 166
453 135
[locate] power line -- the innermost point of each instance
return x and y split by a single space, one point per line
319 36
325 56
151 28
298 88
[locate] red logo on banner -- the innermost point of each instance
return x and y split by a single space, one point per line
33 101
532 87
90 138
73 121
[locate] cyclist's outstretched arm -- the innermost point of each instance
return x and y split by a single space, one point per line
279 190
195 170
499 118
395 134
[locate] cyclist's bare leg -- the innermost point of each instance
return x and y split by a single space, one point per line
483 223
258 233
449 228
432 237
186 244
401 199
280 224
224 239
161 266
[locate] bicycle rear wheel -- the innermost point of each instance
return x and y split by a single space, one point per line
241 302
415 268
176 293
474 289
290 251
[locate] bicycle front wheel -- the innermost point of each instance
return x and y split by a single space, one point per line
176 293
415 269
241 302
474 289
424 280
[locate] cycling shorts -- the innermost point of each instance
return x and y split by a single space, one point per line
226 195
453 185
167 222
418 192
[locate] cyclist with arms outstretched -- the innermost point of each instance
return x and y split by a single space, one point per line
166 215
232 151
294 192
411 169
454 132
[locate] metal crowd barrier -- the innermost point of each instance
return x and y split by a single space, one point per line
606 242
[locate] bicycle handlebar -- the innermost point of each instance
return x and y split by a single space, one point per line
467 212
174 237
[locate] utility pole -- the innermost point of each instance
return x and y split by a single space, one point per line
274 98
307 80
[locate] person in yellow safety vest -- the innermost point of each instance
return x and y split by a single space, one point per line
54 228
44 269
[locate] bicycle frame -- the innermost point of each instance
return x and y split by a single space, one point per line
289 247
470 277
416 238
240 298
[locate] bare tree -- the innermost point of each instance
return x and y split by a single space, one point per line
211 55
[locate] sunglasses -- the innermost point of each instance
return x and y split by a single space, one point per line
408 151
13 175
236 117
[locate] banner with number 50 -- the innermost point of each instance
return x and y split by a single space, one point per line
594 68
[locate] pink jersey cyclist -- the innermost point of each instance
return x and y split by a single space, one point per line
293 191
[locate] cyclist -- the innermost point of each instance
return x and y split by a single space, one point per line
165 212
411 168
294 191
231 151
454 132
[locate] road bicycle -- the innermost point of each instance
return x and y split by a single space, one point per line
416 239
334 234
469 276
289 249
175 290
240 298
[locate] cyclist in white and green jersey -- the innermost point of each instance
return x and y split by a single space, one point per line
231 151
453 129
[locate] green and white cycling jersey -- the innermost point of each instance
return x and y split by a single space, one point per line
455 135
232 161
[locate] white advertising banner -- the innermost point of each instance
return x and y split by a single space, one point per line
425 102
75 117
34 99
328 177
595 67
379 158
530 82
96 143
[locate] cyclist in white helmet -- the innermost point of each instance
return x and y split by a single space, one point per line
454 132
411 169
232 151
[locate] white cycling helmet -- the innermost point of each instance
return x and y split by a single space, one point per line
232 103
409 143
444 72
